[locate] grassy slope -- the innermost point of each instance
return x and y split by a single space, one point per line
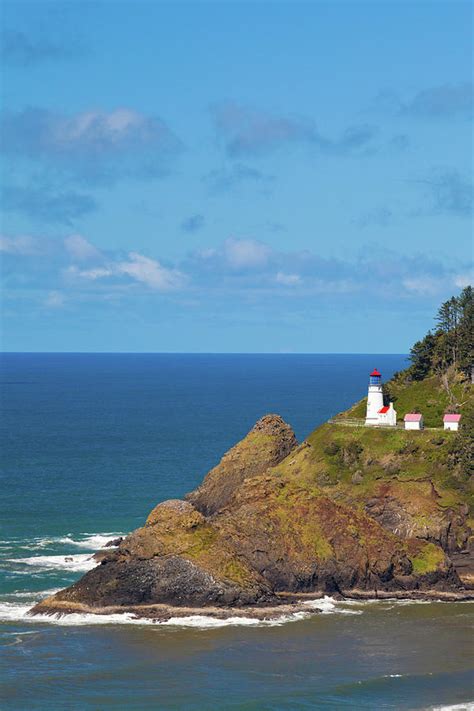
394 455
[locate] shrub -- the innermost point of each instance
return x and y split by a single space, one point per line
332 448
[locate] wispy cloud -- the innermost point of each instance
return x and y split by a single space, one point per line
48 205
17 49
20 245
463 280
448 193
151 272
444 101
249 266
233 254
237 174
139 268
245 253
380 216
288 279
81 249
54 300
246 131
422 285
236 269
193 223
95 146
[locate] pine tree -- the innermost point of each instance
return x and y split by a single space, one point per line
466 330
421 356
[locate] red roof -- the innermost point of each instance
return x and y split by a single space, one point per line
451 418
375 373
384 409
412 417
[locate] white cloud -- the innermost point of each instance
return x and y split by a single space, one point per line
245 253
79 248
151 272
288 279
94 146
207 253
92 274
54 300
463 280
19 245
139 268
99 126
422 285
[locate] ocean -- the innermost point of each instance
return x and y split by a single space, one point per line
90 443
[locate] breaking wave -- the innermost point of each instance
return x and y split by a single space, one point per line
467 706
11 611
80 562
92 541
88 541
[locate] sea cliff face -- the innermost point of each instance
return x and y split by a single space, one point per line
275 520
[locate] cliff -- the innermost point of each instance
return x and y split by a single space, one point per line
352 510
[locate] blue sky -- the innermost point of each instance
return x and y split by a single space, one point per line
233 176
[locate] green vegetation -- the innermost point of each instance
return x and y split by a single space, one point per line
433 396
452 344
439 377
428 560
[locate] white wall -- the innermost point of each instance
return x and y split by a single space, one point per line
413 425
454 426
374 403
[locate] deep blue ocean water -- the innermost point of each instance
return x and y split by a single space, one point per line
90 443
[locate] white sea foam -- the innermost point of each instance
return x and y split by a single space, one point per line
32 594
15 612
79 562
207 622
93 541
12 611
467 706
90 541
329 606
18 611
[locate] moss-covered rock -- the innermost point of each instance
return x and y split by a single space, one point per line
267 444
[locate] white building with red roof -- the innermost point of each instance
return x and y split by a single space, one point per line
413 421
377 412
451 421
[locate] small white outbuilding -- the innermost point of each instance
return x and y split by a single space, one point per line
451 421
387 415
413 421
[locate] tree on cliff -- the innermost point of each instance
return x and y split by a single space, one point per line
453 341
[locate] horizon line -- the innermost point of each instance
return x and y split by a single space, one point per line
250 353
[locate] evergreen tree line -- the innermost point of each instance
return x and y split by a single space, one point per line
451 343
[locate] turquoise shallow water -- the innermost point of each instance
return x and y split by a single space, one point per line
89 444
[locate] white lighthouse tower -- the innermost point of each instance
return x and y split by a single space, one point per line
374 398
377 413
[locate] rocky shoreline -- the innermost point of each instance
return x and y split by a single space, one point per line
300 604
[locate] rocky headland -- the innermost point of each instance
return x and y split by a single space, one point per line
351 512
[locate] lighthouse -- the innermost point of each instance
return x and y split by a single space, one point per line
377 413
